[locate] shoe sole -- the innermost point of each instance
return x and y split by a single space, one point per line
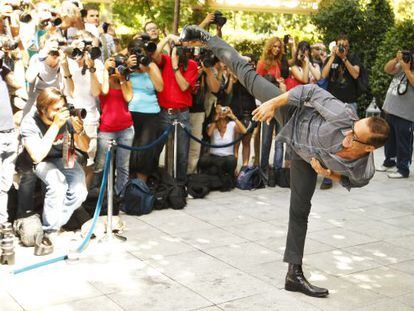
294 288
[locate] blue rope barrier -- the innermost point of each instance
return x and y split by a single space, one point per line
89 234
160 139
249 131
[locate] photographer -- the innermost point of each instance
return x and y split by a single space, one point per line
86 71
207 84
399 109
180 74
44 134
222 130
341 70
116 123
146 81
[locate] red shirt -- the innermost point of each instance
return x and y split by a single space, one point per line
115 115
274 70
172 96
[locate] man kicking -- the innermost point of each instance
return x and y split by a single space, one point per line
326 138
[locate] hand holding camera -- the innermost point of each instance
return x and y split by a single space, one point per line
61 117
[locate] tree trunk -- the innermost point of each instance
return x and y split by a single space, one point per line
176 16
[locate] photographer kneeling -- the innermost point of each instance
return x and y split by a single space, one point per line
222 131
44 134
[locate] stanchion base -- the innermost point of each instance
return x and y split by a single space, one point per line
114 238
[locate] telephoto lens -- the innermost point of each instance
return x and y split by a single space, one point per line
7 245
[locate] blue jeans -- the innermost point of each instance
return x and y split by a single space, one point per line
124 137
267 144
8 153
399 146
183 144
65 191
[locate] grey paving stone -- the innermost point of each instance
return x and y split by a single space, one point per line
405 241
102 303
384 280
376 228
387 305
407 299
7 303
257 230
405 267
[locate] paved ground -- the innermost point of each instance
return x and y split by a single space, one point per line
225 253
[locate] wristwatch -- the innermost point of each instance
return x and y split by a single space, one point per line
92 69
68 77
176 69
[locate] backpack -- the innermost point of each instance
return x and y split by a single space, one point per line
137 198
250 178
198 185
362 81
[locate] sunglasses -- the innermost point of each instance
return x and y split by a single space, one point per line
355 137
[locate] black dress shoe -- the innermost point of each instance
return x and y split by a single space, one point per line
194 33
296 282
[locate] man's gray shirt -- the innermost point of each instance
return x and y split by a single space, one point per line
314 125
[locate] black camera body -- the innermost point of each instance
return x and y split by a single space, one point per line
81 113
219 19
207 57
94 52
407 56
341 48
121 65
142 51
8 44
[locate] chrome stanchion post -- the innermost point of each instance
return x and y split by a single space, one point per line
110 193
175 147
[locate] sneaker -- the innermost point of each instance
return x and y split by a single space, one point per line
396 175
383 168
326 184
194 33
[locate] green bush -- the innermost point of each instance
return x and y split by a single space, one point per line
398 37
248 46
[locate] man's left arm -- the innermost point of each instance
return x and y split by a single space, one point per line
353 69
80 137
406 67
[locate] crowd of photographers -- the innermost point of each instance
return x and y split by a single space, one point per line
68 88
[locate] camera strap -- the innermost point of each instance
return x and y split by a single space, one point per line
402 86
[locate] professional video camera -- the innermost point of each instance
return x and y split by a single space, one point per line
219 19
121 66
76 53
141 49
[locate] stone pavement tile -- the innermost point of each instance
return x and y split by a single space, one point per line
275 300
7 303
343 295
318 221
405 267
136 228
168 295
338 262
381 252
406 222
101 303
212 308
340 237
209 238
405 241
384 280
372 197
376 229
386 305
383 213
219 215
157 246
176 221
407 299
257 230
209 277
265 212
53 284
243 254
272 273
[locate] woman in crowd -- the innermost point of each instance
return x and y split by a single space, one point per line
115 124
146 82
304 70
273 65
222 130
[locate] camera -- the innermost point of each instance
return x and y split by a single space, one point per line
407 56
341 48
207 58
141 48
8 44
224 109
73 112
55 21
75 53
121 65
219 19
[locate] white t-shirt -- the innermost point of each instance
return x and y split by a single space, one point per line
82 95
92 29
228 137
